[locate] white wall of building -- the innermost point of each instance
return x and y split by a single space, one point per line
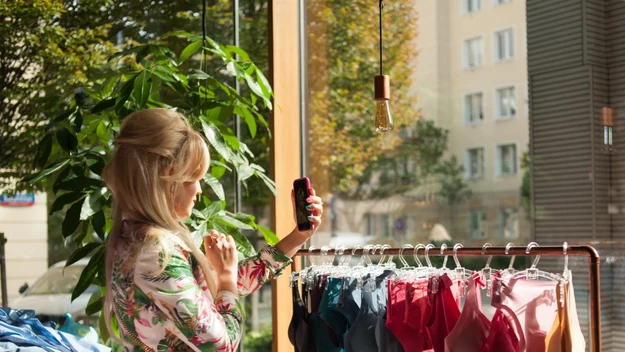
26 231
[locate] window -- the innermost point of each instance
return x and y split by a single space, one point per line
476 226
508 223
504 45
473 110
506 160
470 6
386 226
369 224
500 2
474 163
505 103
472 53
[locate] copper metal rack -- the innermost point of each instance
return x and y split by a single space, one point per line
548 251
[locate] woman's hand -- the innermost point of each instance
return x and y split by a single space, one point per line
315 209
221 253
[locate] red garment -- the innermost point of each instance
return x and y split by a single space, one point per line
395 317
444 314
501 336
417 312
472 328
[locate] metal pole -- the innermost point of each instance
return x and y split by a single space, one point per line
3 271
553 251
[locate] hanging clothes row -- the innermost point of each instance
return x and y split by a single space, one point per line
381 307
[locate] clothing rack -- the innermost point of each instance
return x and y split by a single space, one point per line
548 251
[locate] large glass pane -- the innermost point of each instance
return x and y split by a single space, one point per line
441 177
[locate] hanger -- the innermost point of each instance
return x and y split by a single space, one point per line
533 273
565 273
487 271
462 274
510 269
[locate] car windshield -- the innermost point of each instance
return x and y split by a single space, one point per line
57 281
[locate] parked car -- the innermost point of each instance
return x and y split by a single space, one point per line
50 296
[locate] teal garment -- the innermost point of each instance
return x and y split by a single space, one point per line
329 325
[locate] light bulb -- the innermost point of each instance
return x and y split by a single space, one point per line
383 117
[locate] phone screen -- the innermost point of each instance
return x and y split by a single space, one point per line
301 194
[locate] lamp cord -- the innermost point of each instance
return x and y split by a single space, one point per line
381 7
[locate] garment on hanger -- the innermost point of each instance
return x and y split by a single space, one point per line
502 335
316 292
566 334
471 331
386 341
417 312
300 334
533 302
445 312
327 309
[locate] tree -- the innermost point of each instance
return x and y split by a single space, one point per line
44 52
526 185
343 60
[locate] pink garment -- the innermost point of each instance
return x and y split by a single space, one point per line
534 304
501 336
471 331
445 312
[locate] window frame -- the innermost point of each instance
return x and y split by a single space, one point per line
496 113
507 57
483 217
465 8
465 111
465 56
499 3
467 163
501 225
498 161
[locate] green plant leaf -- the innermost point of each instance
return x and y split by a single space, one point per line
88 273
103 105
72 219
236 50
142 53
244 171
63 116
98 222
43 150
81 252
190 50
80 184
48 171
269 236
223 217
65 199
215 185
77 121
268 182
198 214
95 303
198 75
92 204
164 73
249 120
142 89
60 178
243 244
214 137
67 140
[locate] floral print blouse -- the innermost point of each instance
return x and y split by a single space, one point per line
174 311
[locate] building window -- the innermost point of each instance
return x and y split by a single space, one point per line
369 224
505 103
508 223
387 226
506 160
504 45
470 6
500 2
473 108
474 163
472 53
476 224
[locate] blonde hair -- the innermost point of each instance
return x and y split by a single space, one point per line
156 151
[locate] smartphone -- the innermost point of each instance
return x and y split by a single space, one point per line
301 187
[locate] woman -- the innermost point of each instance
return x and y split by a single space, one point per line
165 293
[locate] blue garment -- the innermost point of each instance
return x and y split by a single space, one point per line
23 329
11 347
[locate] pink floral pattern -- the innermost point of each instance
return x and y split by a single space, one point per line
173 311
